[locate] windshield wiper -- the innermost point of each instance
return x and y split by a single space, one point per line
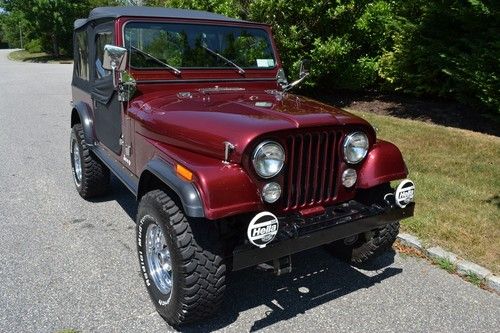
176 71
240 70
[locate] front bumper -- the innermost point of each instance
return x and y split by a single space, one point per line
299 233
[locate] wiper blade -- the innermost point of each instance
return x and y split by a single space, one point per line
240 70
176 71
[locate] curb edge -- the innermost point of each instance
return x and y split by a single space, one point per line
462 267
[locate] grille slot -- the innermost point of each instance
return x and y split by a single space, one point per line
311 172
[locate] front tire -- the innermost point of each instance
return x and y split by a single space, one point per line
185 279
364 247
90 175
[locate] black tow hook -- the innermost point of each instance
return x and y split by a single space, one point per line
390 199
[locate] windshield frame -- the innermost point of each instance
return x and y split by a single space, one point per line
251 25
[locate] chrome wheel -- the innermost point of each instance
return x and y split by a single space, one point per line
77 163
158 257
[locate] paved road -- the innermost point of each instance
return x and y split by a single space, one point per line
68 263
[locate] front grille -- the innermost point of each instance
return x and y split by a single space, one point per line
310 177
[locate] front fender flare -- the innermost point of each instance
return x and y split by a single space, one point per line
383 164
87 120
185 190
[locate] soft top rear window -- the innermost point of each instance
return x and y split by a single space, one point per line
197 46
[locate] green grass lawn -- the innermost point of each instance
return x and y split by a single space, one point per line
457 178
42 57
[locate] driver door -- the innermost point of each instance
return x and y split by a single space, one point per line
107 108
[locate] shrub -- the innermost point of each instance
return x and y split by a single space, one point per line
447 49
34 46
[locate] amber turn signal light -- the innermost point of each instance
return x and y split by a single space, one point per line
183 172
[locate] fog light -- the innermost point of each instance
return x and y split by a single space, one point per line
271 192
349 177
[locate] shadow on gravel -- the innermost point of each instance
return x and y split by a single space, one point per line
311 284
48 59
122 196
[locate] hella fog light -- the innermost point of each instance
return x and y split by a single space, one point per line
271 192
405 193
349 177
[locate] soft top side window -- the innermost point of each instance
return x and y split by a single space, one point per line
101 39
82 55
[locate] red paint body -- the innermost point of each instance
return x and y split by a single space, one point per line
191 131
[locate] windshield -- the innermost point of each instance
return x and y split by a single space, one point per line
197 46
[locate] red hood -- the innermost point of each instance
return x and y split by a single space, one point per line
202 121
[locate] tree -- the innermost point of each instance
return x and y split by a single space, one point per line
51 21
233 8
11 26
445 48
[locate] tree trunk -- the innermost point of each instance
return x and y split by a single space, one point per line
55 46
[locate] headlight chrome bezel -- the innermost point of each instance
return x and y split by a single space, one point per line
346 144
256 152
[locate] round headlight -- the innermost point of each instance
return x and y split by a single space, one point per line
355 147
349 177
268 159
271 192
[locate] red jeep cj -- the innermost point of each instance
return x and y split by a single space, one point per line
191 111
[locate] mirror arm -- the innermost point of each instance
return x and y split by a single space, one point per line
296 82
115 84
126 87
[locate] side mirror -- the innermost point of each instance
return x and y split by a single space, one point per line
115 59
304 68
281 78
204 40
303 73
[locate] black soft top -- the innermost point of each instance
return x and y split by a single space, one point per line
137 11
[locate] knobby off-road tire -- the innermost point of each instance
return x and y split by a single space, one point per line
187 252
90 175
367 246
370 244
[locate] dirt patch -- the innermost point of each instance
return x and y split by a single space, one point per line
410 251
441 112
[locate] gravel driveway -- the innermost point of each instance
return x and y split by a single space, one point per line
68 263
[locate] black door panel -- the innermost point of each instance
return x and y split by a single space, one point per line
107 108
102 89
108 124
